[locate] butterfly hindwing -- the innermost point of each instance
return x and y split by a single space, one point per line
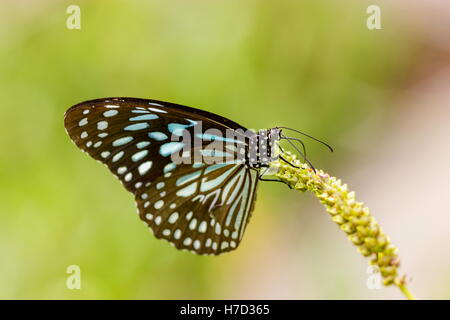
200 212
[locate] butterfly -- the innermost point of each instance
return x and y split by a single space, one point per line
198 193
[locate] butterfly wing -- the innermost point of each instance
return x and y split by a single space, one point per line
198 207
199 210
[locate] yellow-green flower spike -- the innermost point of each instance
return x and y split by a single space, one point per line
351 216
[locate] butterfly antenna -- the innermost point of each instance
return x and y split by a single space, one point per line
311 137
301 153
282 136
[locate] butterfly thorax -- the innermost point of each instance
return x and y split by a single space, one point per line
262 148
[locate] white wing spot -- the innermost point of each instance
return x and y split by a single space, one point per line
137 126
142 144
84 135
149 216
110 113
121 141
144 167
158 204
202 227
166 232
158 220
208 242
98 144
187 241
218 229
105 154
121 170
118 156
173 217
139 155
193 224
157 110
128 177
197 244
83 122
160 185
155 104
102 125
177 234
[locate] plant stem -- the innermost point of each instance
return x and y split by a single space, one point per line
351 216
406 291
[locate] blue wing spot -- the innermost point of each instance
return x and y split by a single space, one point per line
178 128
142 144
139 155
137 126
170 148
110 113
188 177
144 117
158 136
187 191
140 111
215 167
121 141
169 167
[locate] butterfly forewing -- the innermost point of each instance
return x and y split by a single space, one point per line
196 206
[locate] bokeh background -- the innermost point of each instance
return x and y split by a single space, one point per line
380 97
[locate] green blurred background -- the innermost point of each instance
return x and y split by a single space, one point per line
310 65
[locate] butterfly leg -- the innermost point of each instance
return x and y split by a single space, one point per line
288 162
261 175
274 180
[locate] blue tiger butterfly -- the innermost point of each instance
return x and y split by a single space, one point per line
200 206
